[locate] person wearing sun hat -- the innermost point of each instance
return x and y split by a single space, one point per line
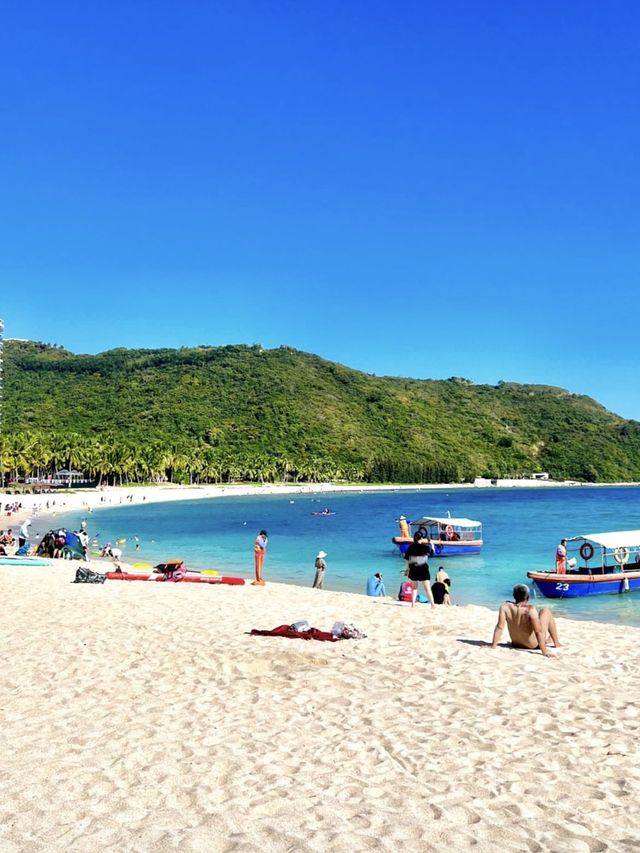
404 527
24 533
321 567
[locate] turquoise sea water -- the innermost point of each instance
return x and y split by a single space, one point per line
521 530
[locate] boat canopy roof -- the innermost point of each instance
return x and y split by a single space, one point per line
616 539
454 522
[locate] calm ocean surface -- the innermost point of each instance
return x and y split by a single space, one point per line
521 530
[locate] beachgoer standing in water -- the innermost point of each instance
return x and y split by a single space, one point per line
259 553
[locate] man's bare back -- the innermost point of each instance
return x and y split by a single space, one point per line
520 619
527 628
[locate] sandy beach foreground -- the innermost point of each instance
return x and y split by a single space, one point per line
143 717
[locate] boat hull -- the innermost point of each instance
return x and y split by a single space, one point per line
578 586
442 549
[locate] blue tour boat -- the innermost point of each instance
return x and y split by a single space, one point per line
602 563
449 537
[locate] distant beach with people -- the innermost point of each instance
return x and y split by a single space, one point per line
66 500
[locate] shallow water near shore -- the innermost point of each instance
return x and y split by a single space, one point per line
521 530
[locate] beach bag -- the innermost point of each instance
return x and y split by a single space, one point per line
352 632
89 576
406 591
347 631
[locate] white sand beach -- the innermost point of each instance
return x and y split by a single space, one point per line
143 717
51 504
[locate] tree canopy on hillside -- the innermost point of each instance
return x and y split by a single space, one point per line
211 414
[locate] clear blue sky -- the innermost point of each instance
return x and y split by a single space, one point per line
415 188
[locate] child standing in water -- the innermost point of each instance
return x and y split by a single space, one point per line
259 553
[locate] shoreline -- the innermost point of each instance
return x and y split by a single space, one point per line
106 564
63 501
71 507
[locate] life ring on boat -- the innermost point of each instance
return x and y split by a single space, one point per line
586 550
449 531
621 555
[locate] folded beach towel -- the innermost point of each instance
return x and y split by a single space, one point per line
285 631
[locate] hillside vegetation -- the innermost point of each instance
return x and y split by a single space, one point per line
238 412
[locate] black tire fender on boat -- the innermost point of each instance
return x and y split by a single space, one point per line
423 532
586 550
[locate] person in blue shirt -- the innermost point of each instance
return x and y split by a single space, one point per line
375 586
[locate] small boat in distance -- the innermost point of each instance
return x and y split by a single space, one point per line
449 537
325 511
601 563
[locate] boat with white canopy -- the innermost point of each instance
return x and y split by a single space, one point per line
597 563
449 537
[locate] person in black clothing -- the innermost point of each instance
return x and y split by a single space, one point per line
440 590
417 557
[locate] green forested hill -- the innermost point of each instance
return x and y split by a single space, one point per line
206 413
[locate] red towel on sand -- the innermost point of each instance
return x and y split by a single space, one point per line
285 631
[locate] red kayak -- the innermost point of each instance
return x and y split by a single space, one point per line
128 576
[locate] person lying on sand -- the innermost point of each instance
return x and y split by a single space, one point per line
527 628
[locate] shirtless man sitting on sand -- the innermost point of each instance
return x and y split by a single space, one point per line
527 628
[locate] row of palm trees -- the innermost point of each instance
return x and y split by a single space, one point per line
110 460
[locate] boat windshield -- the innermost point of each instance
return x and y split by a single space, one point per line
450 529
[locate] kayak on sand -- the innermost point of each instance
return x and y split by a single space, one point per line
130 576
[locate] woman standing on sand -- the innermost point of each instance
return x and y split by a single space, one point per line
321 567
417 557
259 553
